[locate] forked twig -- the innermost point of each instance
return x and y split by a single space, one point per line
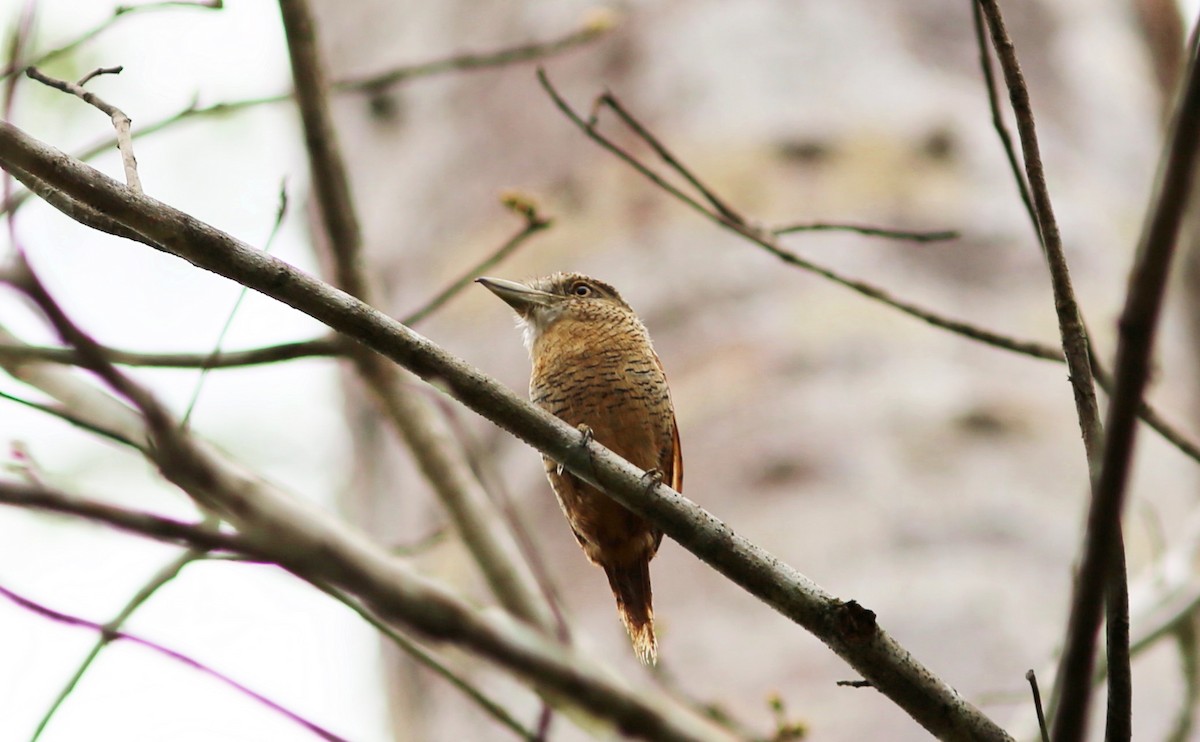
765 241
609 100
1010 152
768 243
120 121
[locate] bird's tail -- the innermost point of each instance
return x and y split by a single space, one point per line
631 586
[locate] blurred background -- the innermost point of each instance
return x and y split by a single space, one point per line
937 481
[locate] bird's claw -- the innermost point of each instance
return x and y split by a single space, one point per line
586 436
652 478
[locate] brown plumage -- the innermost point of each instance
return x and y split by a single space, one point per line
593 365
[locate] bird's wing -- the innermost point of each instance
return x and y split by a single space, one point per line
671 461
675 475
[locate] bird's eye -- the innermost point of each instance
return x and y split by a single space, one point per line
581 289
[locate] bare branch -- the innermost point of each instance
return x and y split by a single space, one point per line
318 348
99 71
119 120
78 211
866 231
324 550
197 535
718 204
61 412
1037 705
1137 327
597 25
1070 322
1016 345
1119 716
1010 152
83 404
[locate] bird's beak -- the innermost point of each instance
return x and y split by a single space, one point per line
517 295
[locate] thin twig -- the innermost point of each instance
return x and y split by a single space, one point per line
63 414
609 100
99 71
534 223
120 121
196 535
1037 705
318 348
868 231
1188 644
70 620
1137 327
595 27
1010 152
1074 339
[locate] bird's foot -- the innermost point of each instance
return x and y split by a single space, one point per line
586 436
652 478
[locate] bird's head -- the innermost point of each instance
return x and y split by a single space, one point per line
541 302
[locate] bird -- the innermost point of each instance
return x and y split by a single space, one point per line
595 368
